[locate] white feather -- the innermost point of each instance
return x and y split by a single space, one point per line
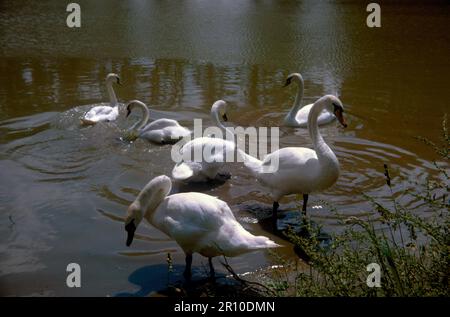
300 170
298 115
199 223
104 112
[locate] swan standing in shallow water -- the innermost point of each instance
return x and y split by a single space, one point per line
208 168
104 113
197 222
301 170
298 116
162 131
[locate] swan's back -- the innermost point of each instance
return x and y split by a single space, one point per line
163 131
299 171
102 113
161 124
200 143
204 224
301 118
207 167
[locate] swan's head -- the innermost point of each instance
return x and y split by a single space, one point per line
219 108
334 105
147 201
113 78
134 218
293 77
133 104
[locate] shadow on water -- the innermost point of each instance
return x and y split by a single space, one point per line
151 278
289 221
155 280
181 187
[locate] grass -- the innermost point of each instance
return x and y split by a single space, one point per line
413 252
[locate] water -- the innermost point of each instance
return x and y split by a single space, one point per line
64 188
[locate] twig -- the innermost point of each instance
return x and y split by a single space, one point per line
241 280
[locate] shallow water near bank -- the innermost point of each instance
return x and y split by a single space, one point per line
65 188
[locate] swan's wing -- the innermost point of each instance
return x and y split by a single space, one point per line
197 209
101 110
202 158
100 113
215 148
302 116
298 171
325 117
182 230
176 133
160 124
190 217
290 157
205 224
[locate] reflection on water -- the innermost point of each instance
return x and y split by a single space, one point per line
64 188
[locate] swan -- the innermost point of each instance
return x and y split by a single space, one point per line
208 168
298 116
104 113
196 221
301 170
163 131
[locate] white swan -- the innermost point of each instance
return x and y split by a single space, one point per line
298 115
216 149
197 222
104 113
301 170
163 131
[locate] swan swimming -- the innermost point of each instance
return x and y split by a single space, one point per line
162 131
104 113
197 222
208 167
298 115
301 170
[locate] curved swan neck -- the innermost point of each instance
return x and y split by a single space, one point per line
145 113
215 116
111 93
298 98
313 128
153 194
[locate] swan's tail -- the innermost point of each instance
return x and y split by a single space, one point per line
252 163
249 243
262 242
240 241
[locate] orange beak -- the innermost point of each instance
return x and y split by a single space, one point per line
340 116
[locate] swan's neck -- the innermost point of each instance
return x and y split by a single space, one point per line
145 116
322 149
297 102
150 198
111 93
216 118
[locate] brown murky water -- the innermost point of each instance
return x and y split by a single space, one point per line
62 186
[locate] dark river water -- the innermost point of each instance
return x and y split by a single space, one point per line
64 188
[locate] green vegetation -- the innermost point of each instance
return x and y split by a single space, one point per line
413 252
